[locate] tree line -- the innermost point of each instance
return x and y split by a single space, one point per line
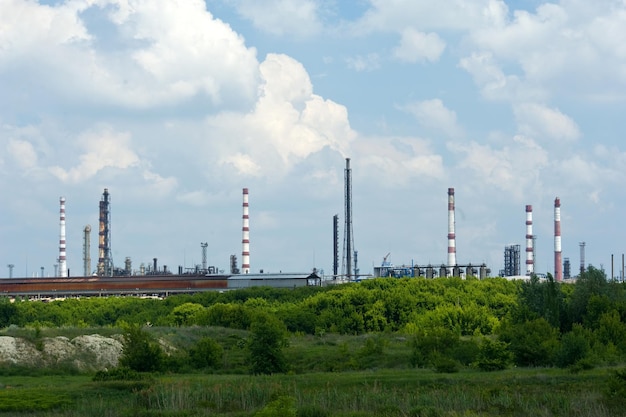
449 323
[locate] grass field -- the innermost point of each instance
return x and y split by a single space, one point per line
514 392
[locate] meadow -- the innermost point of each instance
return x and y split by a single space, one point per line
513 392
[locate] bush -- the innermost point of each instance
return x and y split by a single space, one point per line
265 347
140 352
207 353
445 365
493 356
615 392
425 346
533 343
280 407
574 346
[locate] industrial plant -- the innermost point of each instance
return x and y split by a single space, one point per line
109 279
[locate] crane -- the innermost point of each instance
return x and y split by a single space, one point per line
385 263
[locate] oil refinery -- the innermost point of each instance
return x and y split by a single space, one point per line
110 279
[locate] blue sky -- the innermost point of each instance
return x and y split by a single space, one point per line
176 106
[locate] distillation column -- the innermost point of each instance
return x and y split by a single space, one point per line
87 251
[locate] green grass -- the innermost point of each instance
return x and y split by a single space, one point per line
392 393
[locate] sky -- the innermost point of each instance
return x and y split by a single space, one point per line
176 106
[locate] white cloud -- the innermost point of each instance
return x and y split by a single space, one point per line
423 15
172 51
574 47
418 46
282 17
288 124
396 162
369 62
494 83
538 120
435 115
515 167
23 153
104 148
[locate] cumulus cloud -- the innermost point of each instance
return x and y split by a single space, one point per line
369 62
397 161
515 167
103 148
418 46
561 46
538 120
494 83
171 52
434 114
444 14
282 17
23 153
288 124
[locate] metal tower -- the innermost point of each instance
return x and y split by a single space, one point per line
512 260
87 251
582 257
348 240
335 245
105 263
204 262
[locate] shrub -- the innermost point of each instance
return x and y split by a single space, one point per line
493 356
207 353
615 392
574 346
280 407
445 365
425 346
265 347
533 343
140 352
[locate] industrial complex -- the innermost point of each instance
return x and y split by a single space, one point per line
108 278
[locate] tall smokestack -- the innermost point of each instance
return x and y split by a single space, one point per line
451 235
558 267
62 257
245 241
530 262
348 238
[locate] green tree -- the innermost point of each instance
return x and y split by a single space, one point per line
140 351
533 342
575 345
493 355
8 313
207 353
265 346
426 346
186 314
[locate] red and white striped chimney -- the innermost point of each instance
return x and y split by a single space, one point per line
558 265
245 242
62 256
530 262
451 235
